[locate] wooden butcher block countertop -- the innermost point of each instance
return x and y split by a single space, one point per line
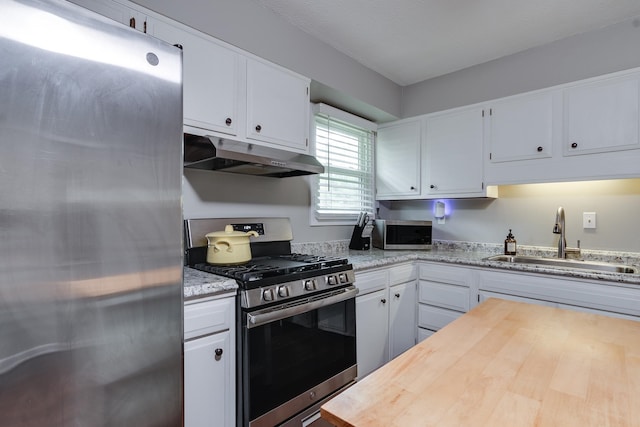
506 364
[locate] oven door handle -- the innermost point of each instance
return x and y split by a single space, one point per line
262 317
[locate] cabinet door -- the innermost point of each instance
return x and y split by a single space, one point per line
521 128
277 106
210 76
119 13
207 381
601 116
485 295
398 160
402 318
444 295
372 335
435 318
454 147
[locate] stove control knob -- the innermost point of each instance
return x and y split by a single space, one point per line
310 285
283 291
332 280
267 294
343 278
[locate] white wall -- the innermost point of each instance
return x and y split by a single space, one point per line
609 49
222 195
530 211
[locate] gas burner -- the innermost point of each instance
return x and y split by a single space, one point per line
272 269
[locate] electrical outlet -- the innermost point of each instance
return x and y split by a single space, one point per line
588 220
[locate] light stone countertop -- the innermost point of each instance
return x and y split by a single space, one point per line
375 258
199 284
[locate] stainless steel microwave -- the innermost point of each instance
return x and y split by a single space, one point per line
401 234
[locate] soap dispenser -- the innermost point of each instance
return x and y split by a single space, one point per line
510 244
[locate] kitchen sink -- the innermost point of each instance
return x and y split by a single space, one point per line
565 263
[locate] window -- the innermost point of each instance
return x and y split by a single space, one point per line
344 145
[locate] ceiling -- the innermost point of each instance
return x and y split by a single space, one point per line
409 41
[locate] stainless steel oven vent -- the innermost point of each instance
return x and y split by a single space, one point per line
227 155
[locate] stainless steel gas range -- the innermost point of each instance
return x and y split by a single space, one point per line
296 323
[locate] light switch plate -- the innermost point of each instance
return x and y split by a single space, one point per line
588 220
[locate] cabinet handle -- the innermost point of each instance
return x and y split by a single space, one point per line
218 353
397 295
132 22
574 145
432 186
178 45
228 121
540 149
413 188
258 128
145 27
383 300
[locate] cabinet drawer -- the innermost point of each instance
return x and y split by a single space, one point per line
423 334
371 281
443 295
402 274
446 274
203 318
435 318
563 291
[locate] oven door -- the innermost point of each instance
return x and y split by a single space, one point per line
295 355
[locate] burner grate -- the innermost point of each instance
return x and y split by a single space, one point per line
280 266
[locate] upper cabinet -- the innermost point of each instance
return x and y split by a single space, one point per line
226 91
521 128
211 79
398 148
433 156
452 165
277 105
584 130
601 116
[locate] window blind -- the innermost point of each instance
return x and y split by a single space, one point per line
346 187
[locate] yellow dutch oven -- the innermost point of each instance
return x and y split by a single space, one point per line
229 246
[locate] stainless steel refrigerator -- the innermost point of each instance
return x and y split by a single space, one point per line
90 221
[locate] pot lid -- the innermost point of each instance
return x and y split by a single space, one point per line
230 232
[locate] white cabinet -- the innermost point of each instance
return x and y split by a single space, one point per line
398 148
277 105
211 74
372 323
230 93
120 13
209 363
432 156
521 128
453 154
444 294
602 116
226 91
578 131
385 315
402 318
584 295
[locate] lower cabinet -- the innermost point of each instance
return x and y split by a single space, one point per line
443 295
385 315
599 297
209 363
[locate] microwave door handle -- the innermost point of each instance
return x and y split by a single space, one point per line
263 317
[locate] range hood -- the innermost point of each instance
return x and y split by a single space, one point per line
227 155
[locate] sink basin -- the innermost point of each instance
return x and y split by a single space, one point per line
565 263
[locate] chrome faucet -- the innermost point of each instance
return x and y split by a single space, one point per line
560 229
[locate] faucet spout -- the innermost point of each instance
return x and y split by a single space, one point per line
559 228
